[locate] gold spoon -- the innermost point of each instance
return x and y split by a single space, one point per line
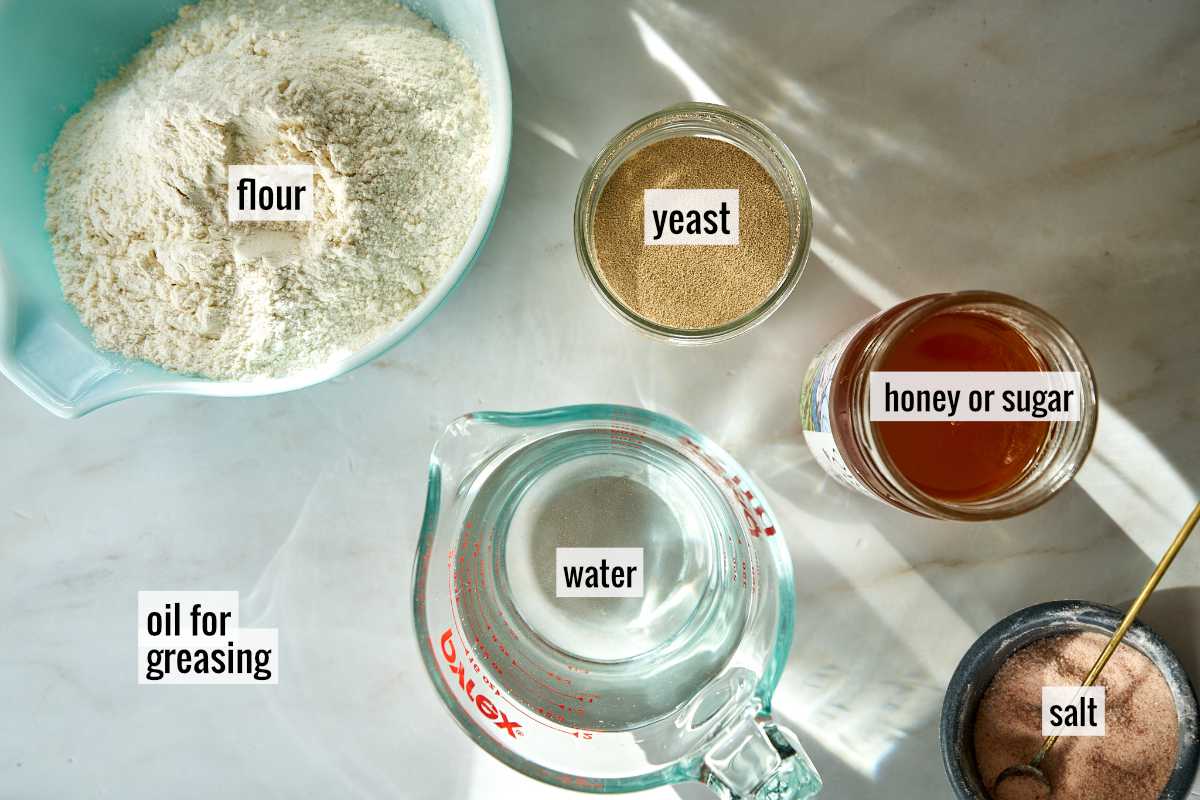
1033 768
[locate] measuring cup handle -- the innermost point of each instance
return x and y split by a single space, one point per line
756 759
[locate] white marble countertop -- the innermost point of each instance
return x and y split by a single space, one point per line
1050 150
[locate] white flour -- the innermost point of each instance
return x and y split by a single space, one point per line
386 108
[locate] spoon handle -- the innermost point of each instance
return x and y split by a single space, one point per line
1130 616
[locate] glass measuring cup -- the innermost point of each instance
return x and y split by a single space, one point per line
609 694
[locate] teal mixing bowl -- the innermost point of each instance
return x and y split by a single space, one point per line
52 55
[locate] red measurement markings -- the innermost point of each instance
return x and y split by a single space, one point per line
471 601
563 712
731 558
621 436
487 709
752 510
472 580
455 620
473 597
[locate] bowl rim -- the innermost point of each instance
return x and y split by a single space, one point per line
492 63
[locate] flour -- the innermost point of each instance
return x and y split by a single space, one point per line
386 108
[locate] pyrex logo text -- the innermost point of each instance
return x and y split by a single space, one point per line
485 706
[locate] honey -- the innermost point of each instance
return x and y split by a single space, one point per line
948 469
962 460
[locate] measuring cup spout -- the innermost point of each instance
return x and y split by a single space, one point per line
756 759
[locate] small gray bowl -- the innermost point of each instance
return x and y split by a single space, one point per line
994 647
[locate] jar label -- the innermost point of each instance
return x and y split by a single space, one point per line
825 452
814 410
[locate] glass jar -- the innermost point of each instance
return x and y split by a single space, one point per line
708 120
836 411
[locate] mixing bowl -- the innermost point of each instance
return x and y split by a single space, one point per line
52 55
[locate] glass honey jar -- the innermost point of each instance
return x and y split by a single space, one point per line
947 469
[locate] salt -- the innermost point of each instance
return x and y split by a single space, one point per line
1135 758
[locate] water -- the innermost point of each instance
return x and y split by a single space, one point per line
608 501
603 663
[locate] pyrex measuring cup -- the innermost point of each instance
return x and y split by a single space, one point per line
608 694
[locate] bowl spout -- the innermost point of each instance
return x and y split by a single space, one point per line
51 358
